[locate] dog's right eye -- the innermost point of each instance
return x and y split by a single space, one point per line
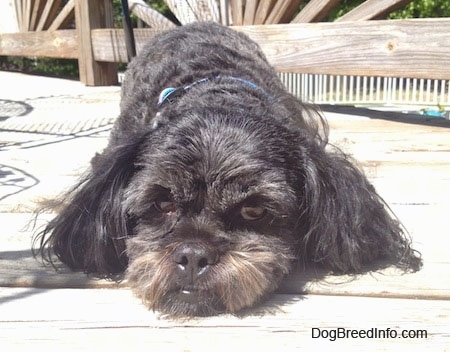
252 213
165 206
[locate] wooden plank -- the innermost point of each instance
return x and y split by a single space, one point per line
237 7
26 16
225 12
64 16
53 14
263 11
388 283
108 320
282 12
23 22
46 14
19 13
90 15
315 11
250 11
371 9
57 44
37 10
404 48
192 10
206 10
290 11
108 45
401 48
183 10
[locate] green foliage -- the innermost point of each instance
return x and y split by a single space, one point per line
65 68
423 9
415 9
343 7
158 5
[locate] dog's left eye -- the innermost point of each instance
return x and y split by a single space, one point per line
252 213
165 206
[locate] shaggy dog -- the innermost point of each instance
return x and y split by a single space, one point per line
216 182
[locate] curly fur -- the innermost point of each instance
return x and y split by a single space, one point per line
164 201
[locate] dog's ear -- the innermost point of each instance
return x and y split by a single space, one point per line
89 231
347 226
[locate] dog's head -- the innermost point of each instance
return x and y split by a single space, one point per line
215 205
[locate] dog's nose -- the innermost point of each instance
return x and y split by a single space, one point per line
194 260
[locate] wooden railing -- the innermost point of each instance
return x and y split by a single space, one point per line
83 29
53 28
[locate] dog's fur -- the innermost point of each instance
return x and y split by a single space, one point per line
208 199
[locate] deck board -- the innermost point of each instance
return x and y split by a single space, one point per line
94 319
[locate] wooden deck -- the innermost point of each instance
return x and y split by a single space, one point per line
407 159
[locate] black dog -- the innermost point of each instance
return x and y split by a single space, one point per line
215 182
